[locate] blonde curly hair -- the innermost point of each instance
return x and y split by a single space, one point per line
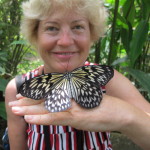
36 10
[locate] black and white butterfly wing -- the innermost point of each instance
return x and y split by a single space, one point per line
30 88
37 87
53 87
86 84
104 73
98 74
87 94
59 98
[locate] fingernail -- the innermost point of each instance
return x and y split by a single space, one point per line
16 109
19 96
13 103
28 117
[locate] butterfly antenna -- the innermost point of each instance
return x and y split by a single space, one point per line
68 64
66 67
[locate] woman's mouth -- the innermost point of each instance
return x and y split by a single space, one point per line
64 55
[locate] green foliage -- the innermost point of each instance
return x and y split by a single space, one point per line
3 83
26 65
15 56
142 78
126 43
12 47
138 39
2 110
10 15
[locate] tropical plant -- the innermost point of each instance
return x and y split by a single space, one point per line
12 47
126 44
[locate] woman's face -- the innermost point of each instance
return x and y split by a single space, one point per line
64 41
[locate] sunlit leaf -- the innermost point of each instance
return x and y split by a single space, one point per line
122 21
19 42
2 70
120 60
138 39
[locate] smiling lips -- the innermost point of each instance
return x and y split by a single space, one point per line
64 55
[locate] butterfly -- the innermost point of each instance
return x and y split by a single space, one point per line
83 84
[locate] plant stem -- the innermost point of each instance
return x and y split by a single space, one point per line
97 51
113 32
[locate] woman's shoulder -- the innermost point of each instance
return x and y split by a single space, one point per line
11 84
11 90
14 83
34 72
87 63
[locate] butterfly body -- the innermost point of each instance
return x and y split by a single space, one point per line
83 84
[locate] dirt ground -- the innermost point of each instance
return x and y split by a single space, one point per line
119 141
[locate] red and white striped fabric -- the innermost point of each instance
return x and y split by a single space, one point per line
65 137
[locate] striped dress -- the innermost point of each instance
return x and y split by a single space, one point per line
64 137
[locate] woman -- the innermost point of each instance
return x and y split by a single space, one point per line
63 31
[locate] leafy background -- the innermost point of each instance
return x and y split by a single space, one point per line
125 46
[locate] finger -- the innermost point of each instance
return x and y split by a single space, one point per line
19 96
30 110
59 118
24 102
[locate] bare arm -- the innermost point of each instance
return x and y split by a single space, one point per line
139 130
120 87
112 115
16 124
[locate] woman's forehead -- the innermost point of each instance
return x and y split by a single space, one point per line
69 15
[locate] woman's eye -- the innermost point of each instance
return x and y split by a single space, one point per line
52 28
78 27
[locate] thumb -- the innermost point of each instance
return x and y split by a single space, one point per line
57 118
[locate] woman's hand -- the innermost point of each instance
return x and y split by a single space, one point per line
112 114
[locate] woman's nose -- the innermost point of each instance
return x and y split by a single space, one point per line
65 39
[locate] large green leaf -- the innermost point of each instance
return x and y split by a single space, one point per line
3 83
137 42
126 37
119 61
124 33
121 21
2 70
129 11
146 8
127 7
3 56
142 78
3 110
19 42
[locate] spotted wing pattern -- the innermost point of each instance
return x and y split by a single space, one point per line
82 84
58 98
37 87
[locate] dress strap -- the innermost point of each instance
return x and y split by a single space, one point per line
19 80
43 70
